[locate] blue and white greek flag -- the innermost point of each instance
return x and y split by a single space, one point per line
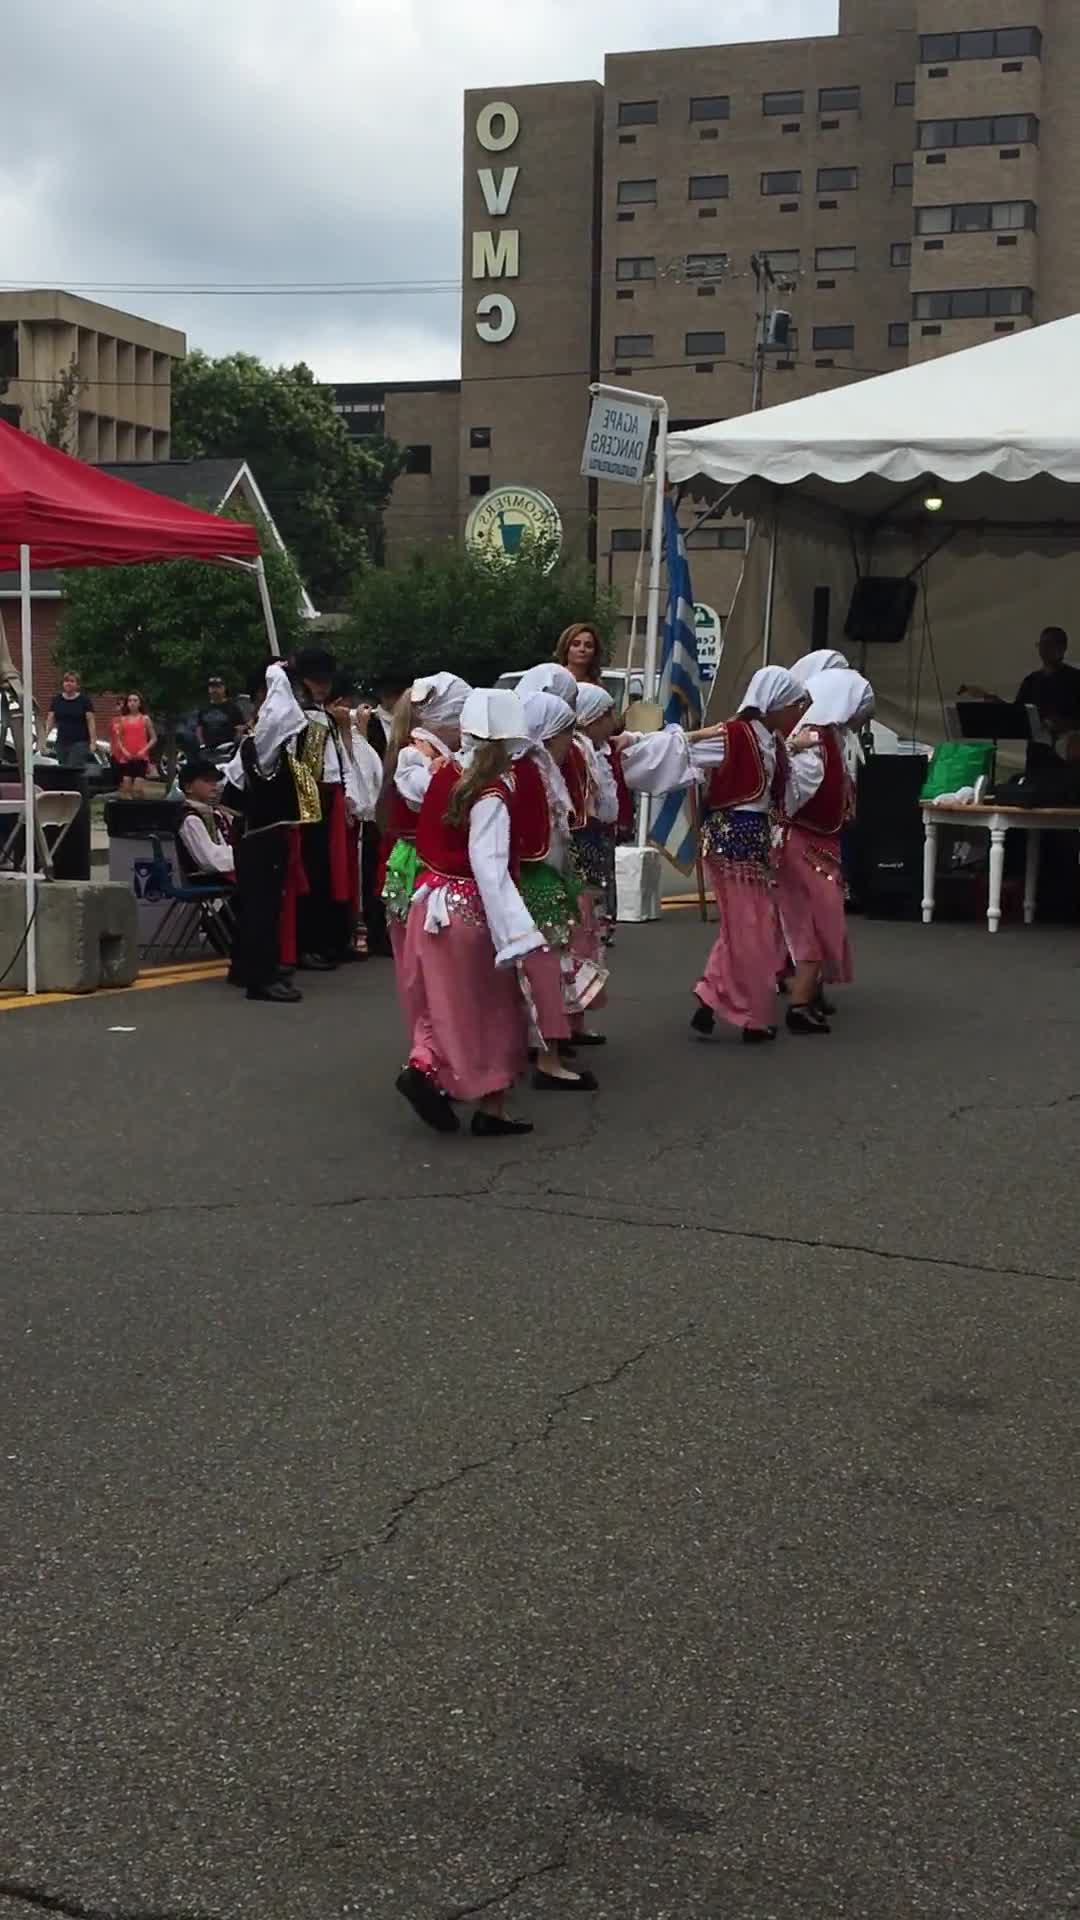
679 692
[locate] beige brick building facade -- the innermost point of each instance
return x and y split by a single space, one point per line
914 181
121 409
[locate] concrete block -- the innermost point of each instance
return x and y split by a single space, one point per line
86 935
638 876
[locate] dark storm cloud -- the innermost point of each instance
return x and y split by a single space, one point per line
164 144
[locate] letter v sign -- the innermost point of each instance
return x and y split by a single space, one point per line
497 198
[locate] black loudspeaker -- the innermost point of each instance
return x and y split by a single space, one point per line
881 609
72 859
885 845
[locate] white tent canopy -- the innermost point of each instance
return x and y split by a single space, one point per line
997 426
837 485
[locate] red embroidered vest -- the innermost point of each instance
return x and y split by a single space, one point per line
576 774
742 776
530 813
444 849
827 809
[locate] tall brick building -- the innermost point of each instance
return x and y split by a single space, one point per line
914 181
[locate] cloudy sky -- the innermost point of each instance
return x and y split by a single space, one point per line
155 146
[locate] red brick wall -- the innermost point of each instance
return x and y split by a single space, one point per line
49 656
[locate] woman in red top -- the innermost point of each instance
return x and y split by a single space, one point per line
132 739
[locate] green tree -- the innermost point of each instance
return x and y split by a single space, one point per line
470 613
326 492
163 629
58 411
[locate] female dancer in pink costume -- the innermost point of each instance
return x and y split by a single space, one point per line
742 769
821 800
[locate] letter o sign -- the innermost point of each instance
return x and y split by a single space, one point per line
497 126
496 318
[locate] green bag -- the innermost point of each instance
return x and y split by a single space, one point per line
956 764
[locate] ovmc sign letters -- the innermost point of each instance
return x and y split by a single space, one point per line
496 251
616 441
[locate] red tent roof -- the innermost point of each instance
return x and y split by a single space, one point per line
71 515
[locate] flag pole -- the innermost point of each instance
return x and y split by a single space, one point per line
699 864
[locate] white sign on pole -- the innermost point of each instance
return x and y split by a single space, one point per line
617 441
709 629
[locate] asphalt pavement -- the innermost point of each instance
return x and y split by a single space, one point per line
671 1515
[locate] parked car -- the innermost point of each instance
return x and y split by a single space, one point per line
614 679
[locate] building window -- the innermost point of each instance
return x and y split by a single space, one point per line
839 99
418 459
837 179
904 93
638 113
706 266
900 253
782 261
978 216
635 266
1000 130
711 106
972 303
702 345
479 436
830 337
714 539
903 173
986 43
708 186
626 539
633 346
781 183
781 103
834 260
898 333
479 484
640 193
11 416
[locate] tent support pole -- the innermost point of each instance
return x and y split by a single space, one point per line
652 620
770 591
268 611
29 816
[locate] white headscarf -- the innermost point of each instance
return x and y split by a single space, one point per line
438 699
772 687
822 661
592 703
545 716
549 677
492 713
838 699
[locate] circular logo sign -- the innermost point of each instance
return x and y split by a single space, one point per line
508 518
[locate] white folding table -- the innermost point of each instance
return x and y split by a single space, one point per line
998 822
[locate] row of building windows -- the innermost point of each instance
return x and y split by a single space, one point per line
631 539
701 266
989 130
978 216
984 43
964 303
717 186
717 106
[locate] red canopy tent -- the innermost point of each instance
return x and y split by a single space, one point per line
57 512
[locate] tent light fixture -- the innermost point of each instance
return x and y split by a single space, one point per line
933 503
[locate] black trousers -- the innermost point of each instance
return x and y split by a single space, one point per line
378 939
261 865
322 923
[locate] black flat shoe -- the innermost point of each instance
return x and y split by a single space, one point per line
316 963
703 1021
427 1100
587 1040
487 1125
278 992
551 1083
758 1036
806 1020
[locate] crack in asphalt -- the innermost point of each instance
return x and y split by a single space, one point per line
518 1443
1011 1107
558 1865
74 1909
524 1203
